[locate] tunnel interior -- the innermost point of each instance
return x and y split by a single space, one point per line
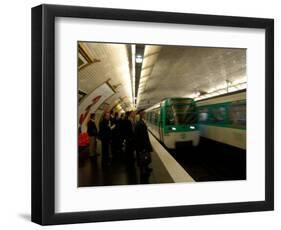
194 101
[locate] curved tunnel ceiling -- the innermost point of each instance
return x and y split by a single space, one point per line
166 71
111 63
182 71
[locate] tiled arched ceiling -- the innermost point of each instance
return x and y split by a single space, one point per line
111 62
181 71
167 71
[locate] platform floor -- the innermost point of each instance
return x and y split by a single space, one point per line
91 172
210 161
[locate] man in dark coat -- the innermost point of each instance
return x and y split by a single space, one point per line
92 133
127 133
105 137
143 145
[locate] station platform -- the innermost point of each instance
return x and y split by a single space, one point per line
186 164
165 169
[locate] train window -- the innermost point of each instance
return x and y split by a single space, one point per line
156 117
213 114
237 114
218 114
152 118
230 114
181 101
149 117
181 114
203 115
170 118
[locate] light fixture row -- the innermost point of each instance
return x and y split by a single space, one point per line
231 88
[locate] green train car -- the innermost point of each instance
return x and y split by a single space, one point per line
223 119
174 120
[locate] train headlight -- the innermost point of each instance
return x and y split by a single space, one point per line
192 127
174 128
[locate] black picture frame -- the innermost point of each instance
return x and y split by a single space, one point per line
43 114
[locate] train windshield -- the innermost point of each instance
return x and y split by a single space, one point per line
181 114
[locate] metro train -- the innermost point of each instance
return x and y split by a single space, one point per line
173 121
223 119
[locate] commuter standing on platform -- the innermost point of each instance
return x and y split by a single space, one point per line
143 146
128 126
122 128
116 139
105 137
92 133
